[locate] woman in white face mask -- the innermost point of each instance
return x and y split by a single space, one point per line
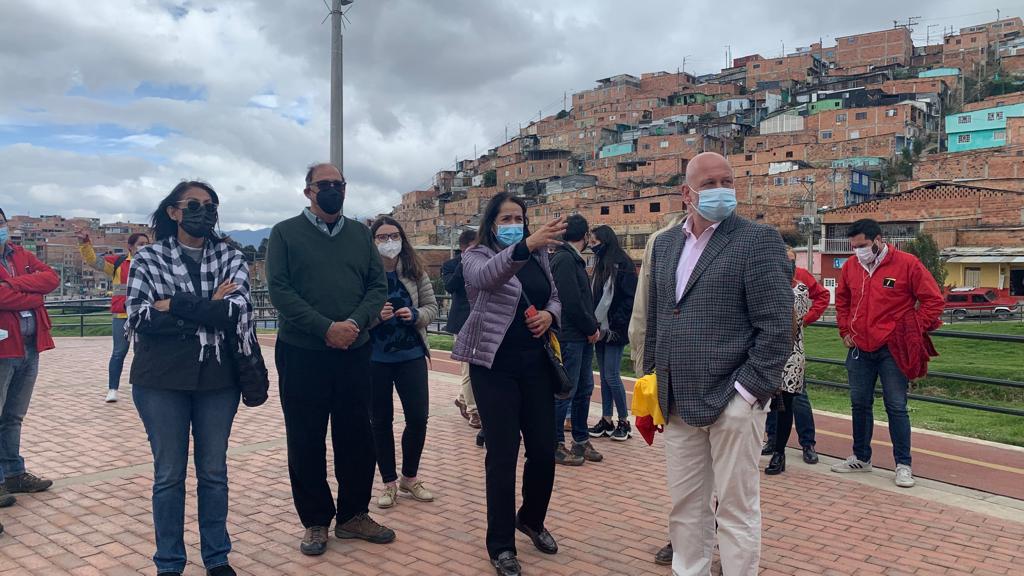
399 361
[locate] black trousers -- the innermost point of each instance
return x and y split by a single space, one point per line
410 380
515 397
317 387
784 421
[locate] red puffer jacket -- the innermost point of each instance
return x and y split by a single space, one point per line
25 280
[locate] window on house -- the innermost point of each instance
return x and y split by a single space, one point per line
531 168
963 139
655 206
890 112
604 210
756 66
663 144
506 172
780 181
647 146
826 134
851 40
974 40
965 119
793 180
789 154
999 115
999 135
748 172
748 157
959 41
991 116
629 208
860 116
840 118
854 134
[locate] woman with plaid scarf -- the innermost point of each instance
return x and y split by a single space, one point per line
188 306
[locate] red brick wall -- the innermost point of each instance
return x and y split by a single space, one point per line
919 85
666 111
992 101
778 69
768 141
883 146
949 201
1013 64
642 214
650 146
596 97
875 48
980 165
876 122
533 170
997 237
653 82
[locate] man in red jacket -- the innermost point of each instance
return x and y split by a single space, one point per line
802 413
24 280
877 289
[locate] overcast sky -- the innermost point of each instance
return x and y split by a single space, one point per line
106 104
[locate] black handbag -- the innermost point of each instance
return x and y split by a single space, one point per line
253 378
561 386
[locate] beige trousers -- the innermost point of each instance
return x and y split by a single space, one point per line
722 459
466 395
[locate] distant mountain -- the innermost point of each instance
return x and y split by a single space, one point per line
249 237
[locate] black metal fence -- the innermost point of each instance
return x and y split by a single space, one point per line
76 316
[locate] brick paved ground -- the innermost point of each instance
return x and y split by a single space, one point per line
609 518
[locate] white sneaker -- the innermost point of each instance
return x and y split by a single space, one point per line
388 497
904 477
851 464
111 395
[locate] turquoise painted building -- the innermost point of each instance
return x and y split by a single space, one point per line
619 149
980 129
936 72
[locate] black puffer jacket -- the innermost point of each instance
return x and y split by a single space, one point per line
621 310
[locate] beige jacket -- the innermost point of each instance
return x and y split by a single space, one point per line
638 322
423 300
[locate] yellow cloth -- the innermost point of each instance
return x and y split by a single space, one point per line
645 399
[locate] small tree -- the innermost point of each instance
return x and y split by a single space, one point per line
927 251
491 178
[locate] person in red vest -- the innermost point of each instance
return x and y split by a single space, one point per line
880 290
115 266
802 413
24 333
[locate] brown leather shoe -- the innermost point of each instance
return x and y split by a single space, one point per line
474 420
363 527
314 542
462 407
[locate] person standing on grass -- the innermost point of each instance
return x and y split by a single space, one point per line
515 305
24 282
580 331
719 330
880 290
188 303
455 284
116 267
399 361
801 412
614 288
326 280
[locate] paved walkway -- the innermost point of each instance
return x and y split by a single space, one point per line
609 517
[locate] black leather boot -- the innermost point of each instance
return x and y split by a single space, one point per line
777 465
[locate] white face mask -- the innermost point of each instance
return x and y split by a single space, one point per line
390 248
866 254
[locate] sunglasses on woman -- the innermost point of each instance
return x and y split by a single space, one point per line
193 205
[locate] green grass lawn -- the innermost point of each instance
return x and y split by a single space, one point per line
956 356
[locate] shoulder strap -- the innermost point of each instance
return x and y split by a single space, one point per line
120 260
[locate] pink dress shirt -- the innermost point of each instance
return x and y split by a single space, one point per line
692 250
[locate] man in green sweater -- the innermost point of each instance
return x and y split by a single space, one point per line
327 283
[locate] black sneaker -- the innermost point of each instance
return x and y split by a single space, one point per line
566 458
222 570
664 556
506 564
622 432
27 483
314 542
480 438
601 429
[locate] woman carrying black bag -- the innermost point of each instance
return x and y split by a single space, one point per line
514 305
190 316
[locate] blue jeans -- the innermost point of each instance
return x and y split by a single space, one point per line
17 380
804 420
609 362
118 354
864 368
578 358
168 415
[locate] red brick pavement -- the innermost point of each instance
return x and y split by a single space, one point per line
609 517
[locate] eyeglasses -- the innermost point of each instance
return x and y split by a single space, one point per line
193 205
386 237
327 184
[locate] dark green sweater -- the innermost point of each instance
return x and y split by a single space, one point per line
316 279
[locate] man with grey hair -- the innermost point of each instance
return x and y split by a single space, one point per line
327 282
719 331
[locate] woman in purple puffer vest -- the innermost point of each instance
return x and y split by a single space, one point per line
506 273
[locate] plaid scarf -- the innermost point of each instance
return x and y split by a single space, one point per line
157 273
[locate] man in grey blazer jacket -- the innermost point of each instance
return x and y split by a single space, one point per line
719 331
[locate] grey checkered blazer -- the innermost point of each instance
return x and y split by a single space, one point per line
734 322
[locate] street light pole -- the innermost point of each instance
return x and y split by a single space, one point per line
337 89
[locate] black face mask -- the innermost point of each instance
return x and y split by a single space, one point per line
198 224
599 250
330 200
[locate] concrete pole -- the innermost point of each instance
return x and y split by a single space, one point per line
337 104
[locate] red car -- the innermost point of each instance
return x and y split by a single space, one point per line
962 303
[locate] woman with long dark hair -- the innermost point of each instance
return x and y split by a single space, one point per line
188 304
614 286
399 361
514 304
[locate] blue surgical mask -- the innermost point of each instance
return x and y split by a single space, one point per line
4 235
509 234
716 204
